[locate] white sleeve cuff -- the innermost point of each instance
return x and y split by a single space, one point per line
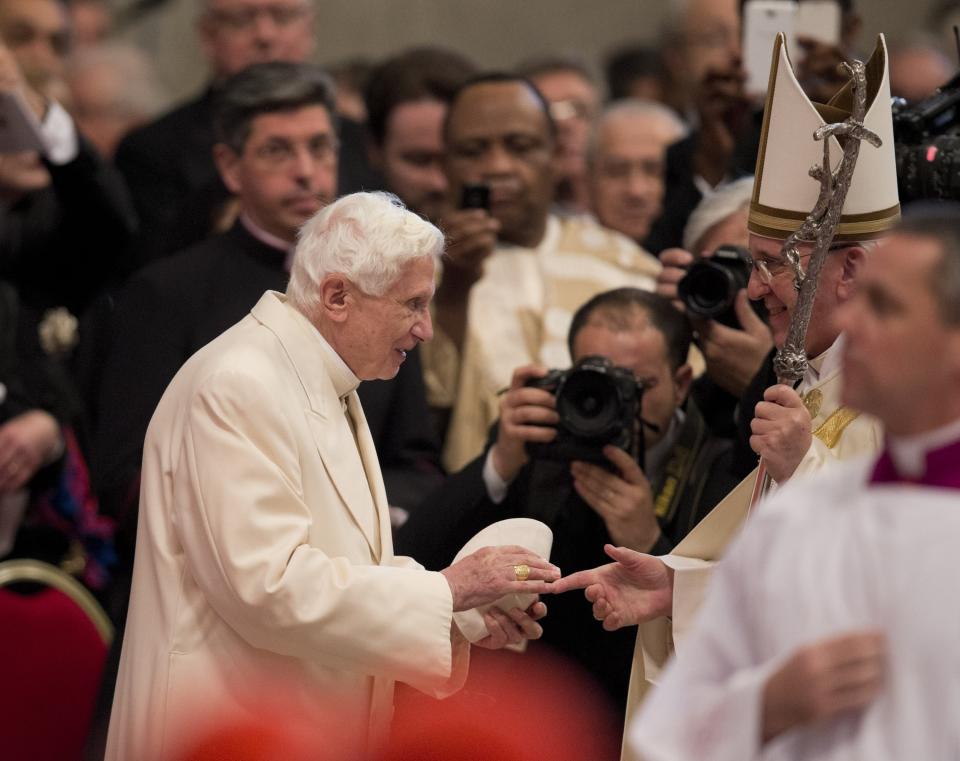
59 135
496 486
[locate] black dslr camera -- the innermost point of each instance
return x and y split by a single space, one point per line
710 286
927 145
598 404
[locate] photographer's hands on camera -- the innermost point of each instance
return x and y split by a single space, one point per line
624 499
733 356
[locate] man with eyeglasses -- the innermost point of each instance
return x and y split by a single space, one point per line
829 629
169 163
794 430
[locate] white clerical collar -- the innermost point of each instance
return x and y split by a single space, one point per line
269 239
344 381
657 455
909 453
823 365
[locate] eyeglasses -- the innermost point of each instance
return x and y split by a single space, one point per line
280 154
244 19
768 268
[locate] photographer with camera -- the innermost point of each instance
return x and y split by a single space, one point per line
606 451
514 270
729 331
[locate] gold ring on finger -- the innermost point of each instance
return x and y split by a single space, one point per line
522 572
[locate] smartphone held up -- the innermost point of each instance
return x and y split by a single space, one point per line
763 20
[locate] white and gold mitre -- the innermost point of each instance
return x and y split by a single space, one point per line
784 193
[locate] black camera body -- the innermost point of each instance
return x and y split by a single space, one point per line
598 404
710 287
927 145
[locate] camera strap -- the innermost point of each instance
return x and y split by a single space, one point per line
672 484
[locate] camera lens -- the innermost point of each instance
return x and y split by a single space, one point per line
708 290
589 405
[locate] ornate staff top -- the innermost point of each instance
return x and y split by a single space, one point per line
820 225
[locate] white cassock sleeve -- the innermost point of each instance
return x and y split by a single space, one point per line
244 527
708 705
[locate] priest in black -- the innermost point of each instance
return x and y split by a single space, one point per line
169 165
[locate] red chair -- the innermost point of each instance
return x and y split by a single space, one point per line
54 638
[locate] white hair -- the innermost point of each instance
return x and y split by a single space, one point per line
723 202
366 237
638 108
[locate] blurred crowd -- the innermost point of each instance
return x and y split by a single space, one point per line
133 237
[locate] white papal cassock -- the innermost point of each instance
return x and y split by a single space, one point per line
827 554
264 551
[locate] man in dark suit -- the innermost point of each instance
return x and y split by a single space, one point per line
169 164
277 153
650 503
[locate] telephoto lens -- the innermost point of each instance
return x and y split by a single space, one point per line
709 289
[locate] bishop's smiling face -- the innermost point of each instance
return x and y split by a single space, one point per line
779 295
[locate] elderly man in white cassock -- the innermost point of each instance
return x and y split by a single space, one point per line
799 429
829 631
264 547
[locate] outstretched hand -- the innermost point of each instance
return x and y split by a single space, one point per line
634 589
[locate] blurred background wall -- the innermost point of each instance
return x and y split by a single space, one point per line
496 33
